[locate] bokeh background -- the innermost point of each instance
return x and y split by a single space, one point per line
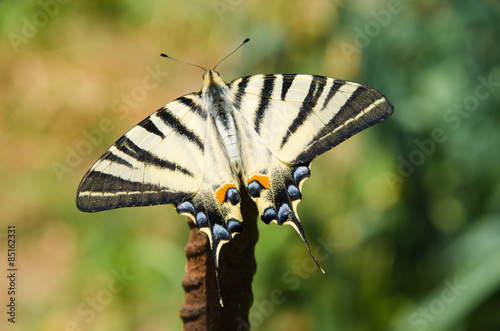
405 215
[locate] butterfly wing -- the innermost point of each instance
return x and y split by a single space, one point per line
273 184
172 157
299 117
159 161
290 119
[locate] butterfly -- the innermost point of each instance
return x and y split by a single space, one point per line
259 132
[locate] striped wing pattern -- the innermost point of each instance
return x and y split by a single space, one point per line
289 120
299 117
159 161
260 131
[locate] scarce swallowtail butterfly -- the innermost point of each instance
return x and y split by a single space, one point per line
260 131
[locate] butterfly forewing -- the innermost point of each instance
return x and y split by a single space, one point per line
299 117
159 161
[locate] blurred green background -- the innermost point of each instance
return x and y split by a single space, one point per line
406 215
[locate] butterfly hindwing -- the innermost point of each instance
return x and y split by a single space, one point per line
215 208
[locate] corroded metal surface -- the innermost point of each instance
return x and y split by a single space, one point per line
194 312
201 310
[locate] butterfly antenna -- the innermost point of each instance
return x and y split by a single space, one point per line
191 64
243 43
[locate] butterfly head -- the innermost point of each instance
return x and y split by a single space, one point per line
211 79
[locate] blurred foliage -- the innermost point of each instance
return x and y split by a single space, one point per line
405 216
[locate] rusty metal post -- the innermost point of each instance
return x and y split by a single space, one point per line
201 309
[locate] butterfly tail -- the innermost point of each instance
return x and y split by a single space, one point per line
295 223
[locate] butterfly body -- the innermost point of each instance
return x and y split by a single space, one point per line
260 131
217 101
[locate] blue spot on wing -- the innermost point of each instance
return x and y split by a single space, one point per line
268 215
254 188
294 193
233 196
185 207
301 173
234 226
201 220
219 233
284 212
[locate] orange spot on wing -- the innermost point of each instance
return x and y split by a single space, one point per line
263 180
220 194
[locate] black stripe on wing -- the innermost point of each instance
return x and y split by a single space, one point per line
287 82
195 108
336 85
128 147
119 193
242 85
265 93
315 90
169 119
148 125
344 123
115 158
